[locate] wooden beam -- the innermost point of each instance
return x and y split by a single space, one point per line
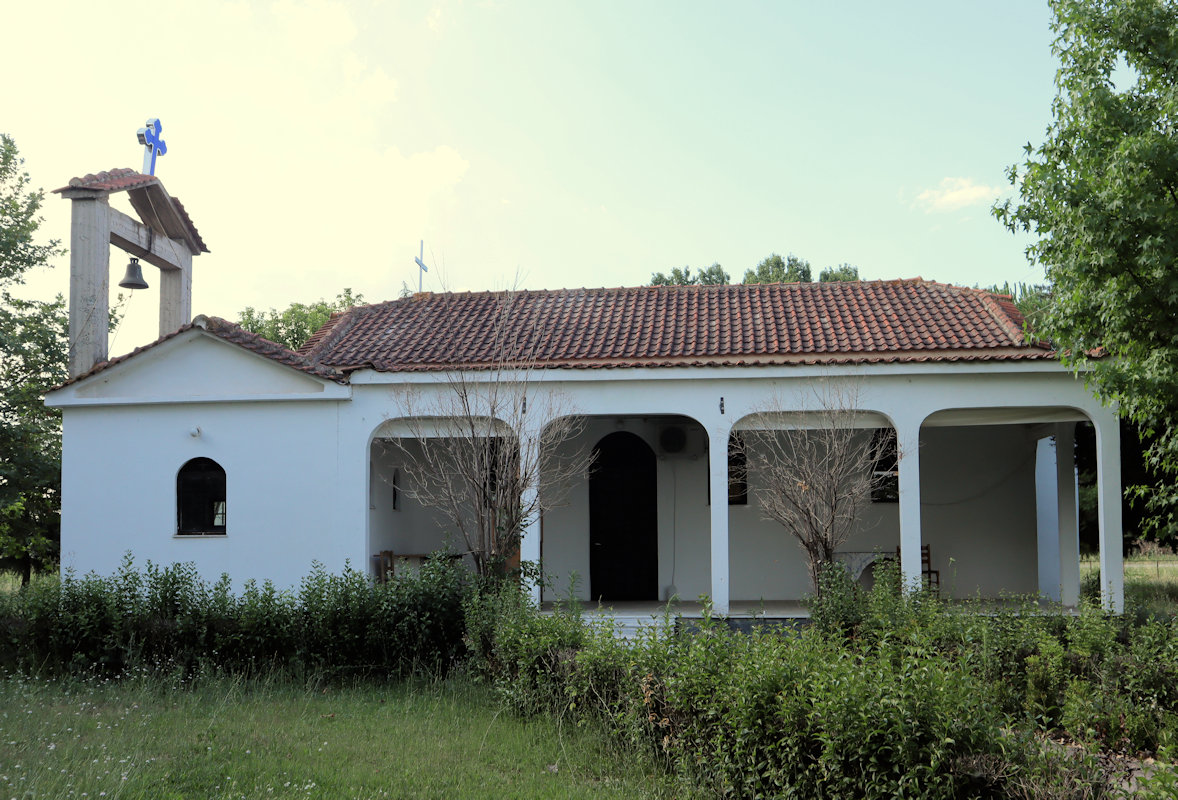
155 207
137 239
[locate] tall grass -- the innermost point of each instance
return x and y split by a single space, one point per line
1151 585
232 738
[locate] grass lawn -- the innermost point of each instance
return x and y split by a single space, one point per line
1150 583
223 738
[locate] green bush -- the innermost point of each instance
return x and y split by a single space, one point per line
528 654
169 619
839 606
769 714
886 694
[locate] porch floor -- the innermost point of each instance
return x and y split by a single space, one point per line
648 609
629 617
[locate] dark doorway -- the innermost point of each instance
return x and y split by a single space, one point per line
623 520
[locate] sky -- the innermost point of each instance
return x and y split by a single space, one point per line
536 144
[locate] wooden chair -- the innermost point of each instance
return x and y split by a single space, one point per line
384 565
932 577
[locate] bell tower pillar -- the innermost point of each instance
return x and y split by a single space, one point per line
163 236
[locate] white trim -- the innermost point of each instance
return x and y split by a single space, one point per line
693 373
342 394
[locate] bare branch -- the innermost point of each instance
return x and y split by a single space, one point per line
815 472
494 448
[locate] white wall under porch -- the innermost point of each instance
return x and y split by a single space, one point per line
978 516
682 506
978 508
397 520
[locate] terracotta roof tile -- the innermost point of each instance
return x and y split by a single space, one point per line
128 180
108 182
187 220
843 322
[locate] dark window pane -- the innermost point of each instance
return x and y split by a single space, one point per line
738 473
885 483
200 497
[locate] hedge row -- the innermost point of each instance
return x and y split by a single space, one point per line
169 618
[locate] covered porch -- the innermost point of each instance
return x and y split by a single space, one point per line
988 495
986 488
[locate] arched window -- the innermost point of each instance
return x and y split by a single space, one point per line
200 498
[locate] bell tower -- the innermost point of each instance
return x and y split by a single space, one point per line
163 236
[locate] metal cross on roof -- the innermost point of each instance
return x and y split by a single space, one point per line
153 145
420 263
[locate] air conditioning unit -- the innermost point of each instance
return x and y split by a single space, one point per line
672 440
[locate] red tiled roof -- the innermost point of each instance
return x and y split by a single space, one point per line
841 322
229 332
109 182
142 189
187 221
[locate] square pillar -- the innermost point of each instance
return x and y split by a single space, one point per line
529 545
176 292
718 480
1108 486
1068 513
908 464
531 537
89 304
1047 527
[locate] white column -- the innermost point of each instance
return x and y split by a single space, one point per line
89 304
530 543
1068 514
1047 518
908 450
1108 486
718 434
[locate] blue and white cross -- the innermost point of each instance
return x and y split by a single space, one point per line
153 145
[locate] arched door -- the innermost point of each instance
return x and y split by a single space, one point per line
623 520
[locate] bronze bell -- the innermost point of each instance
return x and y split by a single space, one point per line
134 277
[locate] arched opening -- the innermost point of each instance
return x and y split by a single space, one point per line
200 498
623 520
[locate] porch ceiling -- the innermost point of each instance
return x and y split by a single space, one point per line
1002 416
806 420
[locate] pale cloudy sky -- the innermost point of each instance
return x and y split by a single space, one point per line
316 142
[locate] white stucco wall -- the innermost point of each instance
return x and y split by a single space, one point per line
119 467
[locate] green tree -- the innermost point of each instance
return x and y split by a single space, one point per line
33 356
712 276
1101 194
294 325
843 272
1031 299
775 269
